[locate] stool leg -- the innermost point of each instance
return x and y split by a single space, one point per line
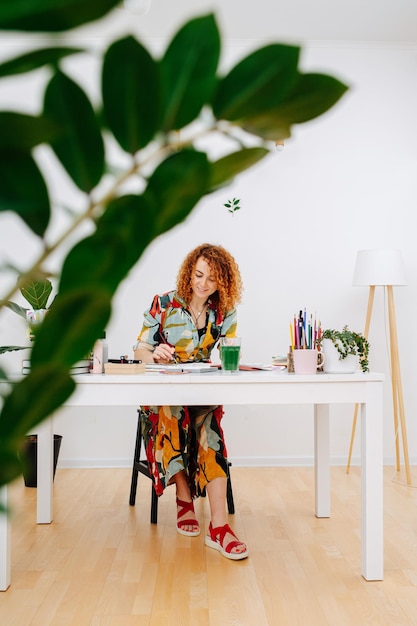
154 507
133 488
142 467
135 468
229 494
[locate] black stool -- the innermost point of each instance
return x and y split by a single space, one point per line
141 465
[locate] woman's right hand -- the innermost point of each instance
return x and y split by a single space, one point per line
163 353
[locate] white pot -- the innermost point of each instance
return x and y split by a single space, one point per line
333 364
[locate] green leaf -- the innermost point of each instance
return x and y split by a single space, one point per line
188 71
176 186
104 259
265 94
35 59
72 325
225 169
10 466
311 96
131 86
80 146
37 293
50 16
257 83
4 349
23 132
16 308
33 399
29 200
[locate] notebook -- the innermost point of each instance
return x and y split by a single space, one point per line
183 368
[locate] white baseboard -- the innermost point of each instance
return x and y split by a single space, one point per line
273 461
95 463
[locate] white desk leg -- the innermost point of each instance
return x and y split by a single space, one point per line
45 512
372 523
5 544
322 459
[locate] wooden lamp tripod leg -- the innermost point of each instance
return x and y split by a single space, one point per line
394 380
366 332
397 391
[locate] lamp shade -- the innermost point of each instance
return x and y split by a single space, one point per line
379 267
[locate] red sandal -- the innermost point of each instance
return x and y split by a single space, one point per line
215 540
186 507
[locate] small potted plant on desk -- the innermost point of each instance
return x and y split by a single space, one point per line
36 294
345 351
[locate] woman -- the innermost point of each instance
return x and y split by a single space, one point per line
185 444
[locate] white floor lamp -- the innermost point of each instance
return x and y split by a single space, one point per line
385 268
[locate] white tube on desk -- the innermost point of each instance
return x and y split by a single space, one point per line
100 355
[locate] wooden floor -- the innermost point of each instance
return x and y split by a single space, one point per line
101 563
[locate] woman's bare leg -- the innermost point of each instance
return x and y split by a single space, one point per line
216 490
184 494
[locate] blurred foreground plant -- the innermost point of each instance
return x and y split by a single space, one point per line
155 110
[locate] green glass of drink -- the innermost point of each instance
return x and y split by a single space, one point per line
230 353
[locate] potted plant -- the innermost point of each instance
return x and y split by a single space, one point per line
344 351
36 293
139 108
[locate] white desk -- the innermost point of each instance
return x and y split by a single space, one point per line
272 387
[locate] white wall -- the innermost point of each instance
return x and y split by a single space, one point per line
344 182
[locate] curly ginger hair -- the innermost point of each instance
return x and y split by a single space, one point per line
225 271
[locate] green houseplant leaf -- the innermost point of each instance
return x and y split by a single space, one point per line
80 146
276 95
68 332
131 86
176 186
36 59
37 293
31 200
16 308
257 83
4 349
44 15
312 95
31 405
122 233
225 169
188 71
60 387
23 132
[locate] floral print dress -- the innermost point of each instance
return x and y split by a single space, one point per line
186 438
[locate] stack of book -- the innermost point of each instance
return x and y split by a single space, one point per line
82 367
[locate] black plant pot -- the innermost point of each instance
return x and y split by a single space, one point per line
29 458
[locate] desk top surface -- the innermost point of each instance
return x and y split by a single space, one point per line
219 377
